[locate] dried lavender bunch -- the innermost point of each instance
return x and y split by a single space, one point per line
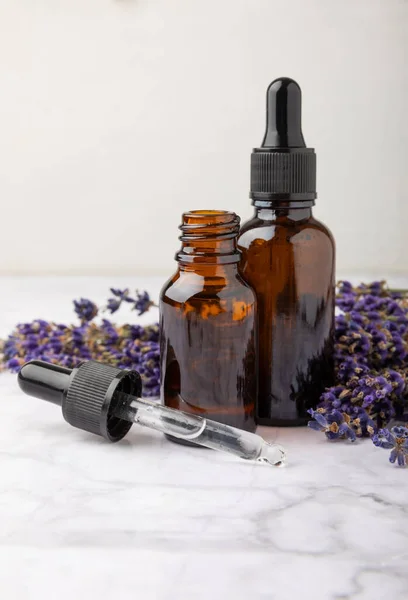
371 359
123 346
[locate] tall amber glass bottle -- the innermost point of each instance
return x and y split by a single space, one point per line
208 325
288 257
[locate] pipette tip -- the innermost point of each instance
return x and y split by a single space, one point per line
272 454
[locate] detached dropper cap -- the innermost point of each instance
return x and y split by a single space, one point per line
283 168
86 394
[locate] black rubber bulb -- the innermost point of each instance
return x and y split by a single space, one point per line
46 381
283 115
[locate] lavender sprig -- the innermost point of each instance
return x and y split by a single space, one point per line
85 309
142 302
335 425
124 346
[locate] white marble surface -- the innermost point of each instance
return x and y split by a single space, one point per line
146 519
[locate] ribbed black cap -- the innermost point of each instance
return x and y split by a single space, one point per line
86 393
89 400
283 168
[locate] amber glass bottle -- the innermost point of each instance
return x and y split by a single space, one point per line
288 257
208 325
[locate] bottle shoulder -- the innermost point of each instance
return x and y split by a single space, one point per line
320 226
185 286
256 231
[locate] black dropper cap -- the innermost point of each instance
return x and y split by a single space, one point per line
283 168
87 394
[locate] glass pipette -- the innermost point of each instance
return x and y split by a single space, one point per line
106 401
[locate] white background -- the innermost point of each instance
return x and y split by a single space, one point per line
118 115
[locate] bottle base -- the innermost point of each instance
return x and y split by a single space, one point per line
270 422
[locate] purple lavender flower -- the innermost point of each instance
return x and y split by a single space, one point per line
137 332
397 381
335 425
119 296
85 309
362 423
113 305
14 364
345 287
377 287
142 302
395 440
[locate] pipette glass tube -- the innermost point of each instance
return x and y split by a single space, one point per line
199 430
106 401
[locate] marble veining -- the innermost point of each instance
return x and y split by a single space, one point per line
149 519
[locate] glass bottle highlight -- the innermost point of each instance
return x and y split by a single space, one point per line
208 325
288 257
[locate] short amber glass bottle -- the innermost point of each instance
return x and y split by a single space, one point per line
288 257
208 325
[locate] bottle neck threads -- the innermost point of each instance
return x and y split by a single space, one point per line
209 237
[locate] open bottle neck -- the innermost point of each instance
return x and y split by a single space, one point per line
208 239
